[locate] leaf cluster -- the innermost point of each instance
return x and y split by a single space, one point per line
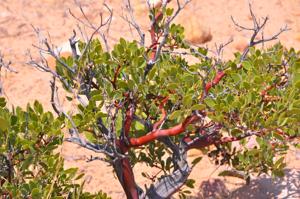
30 166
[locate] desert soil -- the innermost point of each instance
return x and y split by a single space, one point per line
207 23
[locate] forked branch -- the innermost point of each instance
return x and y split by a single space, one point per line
257 28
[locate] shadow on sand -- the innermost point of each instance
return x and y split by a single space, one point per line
263 187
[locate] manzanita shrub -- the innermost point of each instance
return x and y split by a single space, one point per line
29 165
152 104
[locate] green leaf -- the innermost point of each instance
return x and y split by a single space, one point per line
196 161
232 173
247 65
131 84
187 100
210 102
89 136
169 11
79 176
190 183
38 107
278 136
69 98
187 191
175 114
96 98
199 107
152 73
236 132
122 84
297 84
4 124
36 194
2 102
279 162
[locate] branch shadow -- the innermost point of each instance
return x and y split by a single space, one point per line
264 187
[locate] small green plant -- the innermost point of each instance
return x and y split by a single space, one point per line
150 104
29 165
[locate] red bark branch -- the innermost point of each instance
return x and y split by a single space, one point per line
128 181
128 119
286 135
117 72
215 81
163 113
207 140
269 98
154 39
265 91
153 135
124 172
198 142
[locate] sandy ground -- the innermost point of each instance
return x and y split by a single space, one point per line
204 21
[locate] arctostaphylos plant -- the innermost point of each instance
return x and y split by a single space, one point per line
148 103
29 165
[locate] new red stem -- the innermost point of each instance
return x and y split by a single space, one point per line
163 113
215 81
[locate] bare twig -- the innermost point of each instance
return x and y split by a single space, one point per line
6 65
258 27
75 137
132 21
50 50
73 41
54 95
96 28
97 158
88 145
220 50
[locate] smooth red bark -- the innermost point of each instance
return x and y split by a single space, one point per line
164 132
163 113
215 81
128 119
154 39
128 183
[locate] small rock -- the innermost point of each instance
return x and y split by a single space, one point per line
196 33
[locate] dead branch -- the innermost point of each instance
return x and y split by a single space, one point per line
132 21
49 50
87 23
6 65
54 103
258 27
